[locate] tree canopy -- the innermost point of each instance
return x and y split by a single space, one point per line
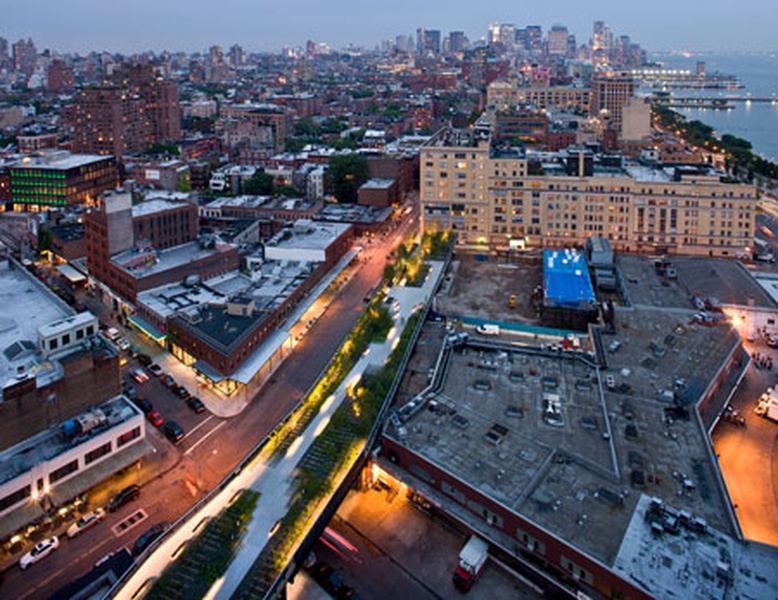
347 173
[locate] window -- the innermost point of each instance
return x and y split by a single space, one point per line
63 471
53 343
66 339
15 497
97 453
125 438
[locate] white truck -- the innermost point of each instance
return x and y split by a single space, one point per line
768 405
472 559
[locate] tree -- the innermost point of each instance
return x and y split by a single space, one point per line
158 148
306 127
261 184
347 173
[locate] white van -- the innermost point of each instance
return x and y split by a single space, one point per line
112 333
488 329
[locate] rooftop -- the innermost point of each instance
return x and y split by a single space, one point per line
27 306
354 213
693 561
542 432
142 263
58 160
267 202
50 443
307 234
378 184
156 205
566 278
204 307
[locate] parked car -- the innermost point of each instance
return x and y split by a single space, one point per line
155 369
128 494
41 550
133 352
123 343
145 405
174 431
195 404
130 392
182 392
148 536
139 376
156 418
144 359
85 522
169 382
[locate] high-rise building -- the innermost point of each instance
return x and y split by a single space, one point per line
216 56
236 55
534 39
25 56
558 41
126 117
610 92
427 41
60 77
457 41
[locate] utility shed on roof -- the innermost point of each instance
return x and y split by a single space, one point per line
599 253
566 281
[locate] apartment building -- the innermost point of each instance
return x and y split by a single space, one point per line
503 198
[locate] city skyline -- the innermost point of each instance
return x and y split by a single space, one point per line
176 25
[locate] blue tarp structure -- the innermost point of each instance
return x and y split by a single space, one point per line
566 279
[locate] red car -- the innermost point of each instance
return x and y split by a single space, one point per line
156 418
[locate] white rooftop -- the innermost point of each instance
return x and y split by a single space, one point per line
698 563
155 205
59 161
27 306
308 235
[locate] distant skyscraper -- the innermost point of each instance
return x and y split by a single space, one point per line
428 41
215 56
558 41
534 39
25 56
60 77
236 56
457 41
403 43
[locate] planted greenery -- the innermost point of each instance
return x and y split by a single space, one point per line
207 556
737 150
327 461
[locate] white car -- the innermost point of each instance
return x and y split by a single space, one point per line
41 551
85 522
123 343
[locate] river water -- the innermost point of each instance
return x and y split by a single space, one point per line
755 122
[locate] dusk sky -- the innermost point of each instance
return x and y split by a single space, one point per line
261 25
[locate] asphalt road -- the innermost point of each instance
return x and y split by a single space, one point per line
174 478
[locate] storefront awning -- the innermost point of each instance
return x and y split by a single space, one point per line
208 371
147 328
72 275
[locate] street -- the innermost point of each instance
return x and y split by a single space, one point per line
174 478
